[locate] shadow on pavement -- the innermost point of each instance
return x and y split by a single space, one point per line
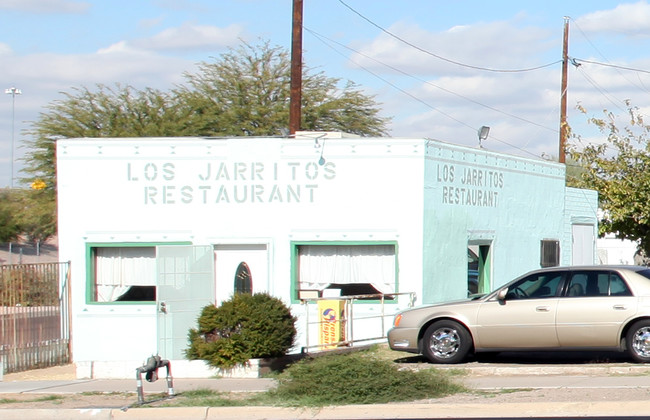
537 357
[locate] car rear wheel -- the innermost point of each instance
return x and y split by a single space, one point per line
638 341
446 342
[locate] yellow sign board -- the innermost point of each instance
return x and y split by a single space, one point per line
332 323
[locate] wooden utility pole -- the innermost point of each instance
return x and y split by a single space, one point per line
295 98
564 129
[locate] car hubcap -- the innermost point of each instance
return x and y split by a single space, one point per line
444 343
641 343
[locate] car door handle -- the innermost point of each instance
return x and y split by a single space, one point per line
620 307
543 309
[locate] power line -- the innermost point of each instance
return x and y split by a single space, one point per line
429 83
611 65
605 58
443 58
601 90
322 38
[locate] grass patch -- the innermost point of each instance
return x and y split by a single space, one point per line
210 398
32 400
498 392
93 393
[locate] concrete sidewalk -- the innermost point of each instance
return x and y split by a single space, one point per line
386 411
78 386
492 382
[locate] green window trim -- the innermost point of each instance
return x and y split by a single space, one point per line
295 245
90 267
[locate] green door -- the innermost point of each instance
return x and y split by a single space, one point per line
185 276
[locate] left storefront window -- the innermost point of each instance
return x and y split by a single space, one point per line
124 274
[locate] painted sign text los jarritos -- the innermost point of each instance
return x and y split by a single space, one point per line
165 183
465 186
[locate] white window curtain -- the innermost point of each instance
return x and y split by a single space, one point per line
321 265
118 268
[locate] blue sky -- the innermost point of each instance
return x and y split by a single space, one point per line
401 52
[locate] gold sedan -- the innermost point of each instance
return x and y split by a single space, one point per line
559 308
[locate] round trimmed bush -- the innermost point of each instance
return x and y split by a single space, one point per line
244 327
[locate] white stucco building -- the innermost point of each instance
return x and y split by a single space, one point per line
157 228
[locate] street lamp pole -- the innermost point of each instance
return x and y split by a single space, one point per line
13 92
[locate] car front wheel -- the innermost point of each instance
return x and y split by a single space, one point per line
638 341
446 342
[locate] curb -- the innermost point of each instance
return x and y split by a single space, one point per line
385 411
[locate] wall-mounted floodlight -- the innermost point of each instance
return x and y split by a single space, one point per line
483 133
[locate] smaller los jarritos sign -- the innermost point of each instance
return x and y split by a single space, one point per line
466 186
232 182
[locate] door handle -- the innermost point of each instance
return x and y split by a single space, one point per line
543 309
620 307
163 307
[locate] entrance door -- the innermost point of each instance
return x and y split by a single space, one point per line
484 269
583 244
185 276
479 268
232 260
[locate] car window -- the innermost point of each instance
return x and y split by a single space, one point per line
617 286
596 283
535 286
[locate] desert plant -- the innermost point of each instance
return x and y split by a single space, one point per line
244 327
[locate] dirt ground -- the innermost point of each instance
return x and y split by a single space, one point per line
129 400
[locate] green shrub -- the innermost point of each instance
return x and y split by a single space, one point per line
357 378
244 327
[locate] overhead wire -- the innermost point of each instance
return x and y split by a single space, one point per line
322 39
601 90
391 34
459 64
610 97
429 83
612 65
575 61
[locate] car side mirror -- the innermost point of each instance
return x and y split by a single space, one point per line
501 296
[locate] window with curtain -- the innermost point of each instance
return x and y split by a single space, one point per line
350 269
124 274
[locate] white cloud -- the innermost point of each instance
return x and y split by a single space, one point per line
628 18
5 49
496 45
45 6
192 37
109 67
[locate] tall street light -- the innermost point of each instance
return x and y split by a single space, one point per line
13 92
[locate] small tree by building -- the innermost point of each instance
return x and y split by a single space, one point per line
242 328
